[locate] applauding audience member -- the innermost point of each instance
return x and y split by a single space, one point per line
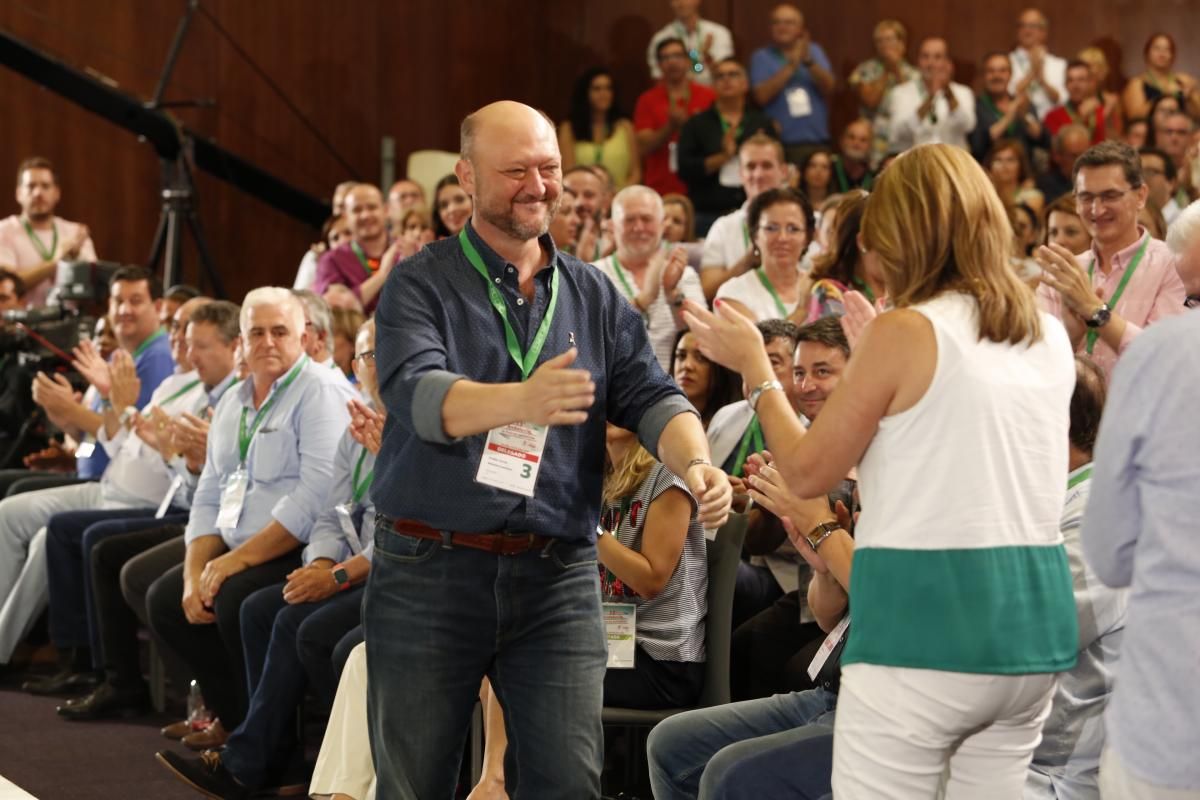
793 82
1035 71
359 263
1106 296
679 219
1159 80
1082 106
705 43
661 112
1068 145
1000 115
932 108
852 163
874 79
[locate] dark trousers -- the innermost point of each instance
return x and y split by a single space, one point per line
117 621
341 653
771 651
214 652
654 684
754 590
70 539
285 645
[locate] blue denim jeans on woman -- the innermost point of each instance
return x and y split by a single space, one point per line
778 746
438 619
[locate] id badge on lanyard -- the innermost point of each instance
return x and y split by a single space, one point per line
512 457
345 515
620 627
233 497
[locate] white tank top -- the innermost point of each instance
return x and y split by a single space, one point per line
958 551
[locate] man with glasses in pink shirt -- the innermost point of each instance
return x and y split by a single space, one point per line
1107 295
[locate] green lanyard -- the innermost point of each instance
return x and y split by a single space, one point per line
861 284
746 234
1011 130
141 348
180 393
693 49
360 489
753 434
1073 115
844 180
725 126
1080 478
244 436
527 361
766 282
37 242
361 255
1093 333
621 276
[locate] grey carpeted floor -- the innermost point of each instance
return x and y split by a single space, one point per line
53 759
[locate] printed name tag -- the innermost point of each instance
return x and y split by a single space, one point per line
345 514
730 174
823 652
798 102
620 626
168 497
232 499
85 449
512 457
673 157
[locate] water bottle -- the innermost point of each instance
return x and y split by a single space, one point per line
199 717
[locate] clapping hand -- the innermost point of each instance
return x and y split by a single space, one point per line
725 336
366 425
859 313
125 386
555 394
92 366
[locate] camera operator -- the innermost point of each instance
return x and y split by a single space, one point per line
16 397
33 242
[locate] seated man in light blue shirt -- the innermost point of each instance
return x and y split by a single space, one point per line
291 630
267 477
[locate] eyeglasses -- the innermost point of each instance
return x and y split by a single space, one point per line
366 355
1108 199
728 74
673 56
771 229
1176 131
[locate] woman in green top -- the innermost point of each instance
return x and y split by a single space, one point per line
596 130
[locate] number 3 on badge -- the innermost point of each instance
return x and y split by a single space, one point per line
526 470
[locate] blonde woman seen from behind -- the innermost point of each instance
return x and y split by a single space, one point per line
954 406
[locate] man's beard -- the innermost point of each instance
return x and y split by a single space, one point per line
521 231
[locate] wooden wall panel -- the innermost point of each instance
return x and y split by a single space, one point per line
411 69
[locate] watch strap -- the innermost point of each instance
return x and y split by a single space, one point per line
822 532
757 392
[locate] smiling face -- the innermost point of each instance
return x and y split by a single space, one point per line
364 211
514 171
856 141
1031 28
997 71
761 168
1107 203
1006 167
600 93
817 370
782 235
674 222
134 311
933 59
454 207
1079 84
637 227
212 357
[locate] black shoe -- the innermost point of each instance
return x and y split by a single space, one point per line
107 701
66 681
205 774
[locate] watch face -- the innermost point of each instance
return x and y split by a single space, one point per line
340 576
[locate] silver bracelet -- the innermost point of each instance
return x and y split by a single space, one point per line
757 392
696 461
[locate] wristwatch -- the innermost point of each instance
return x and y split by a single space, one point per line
1100 318
127 416
757 392
342 577
820 533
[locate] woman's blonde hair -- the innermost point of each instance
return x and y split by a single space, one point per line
623 479
937 225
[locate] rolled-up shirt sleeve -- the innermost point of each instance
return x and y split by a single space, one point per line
319 425
641 396
326 540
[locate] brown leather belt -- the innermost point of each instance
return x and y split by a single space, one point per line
501 544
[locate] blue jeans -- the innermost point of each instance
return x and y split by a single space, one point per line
744 749
277 638
438 619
